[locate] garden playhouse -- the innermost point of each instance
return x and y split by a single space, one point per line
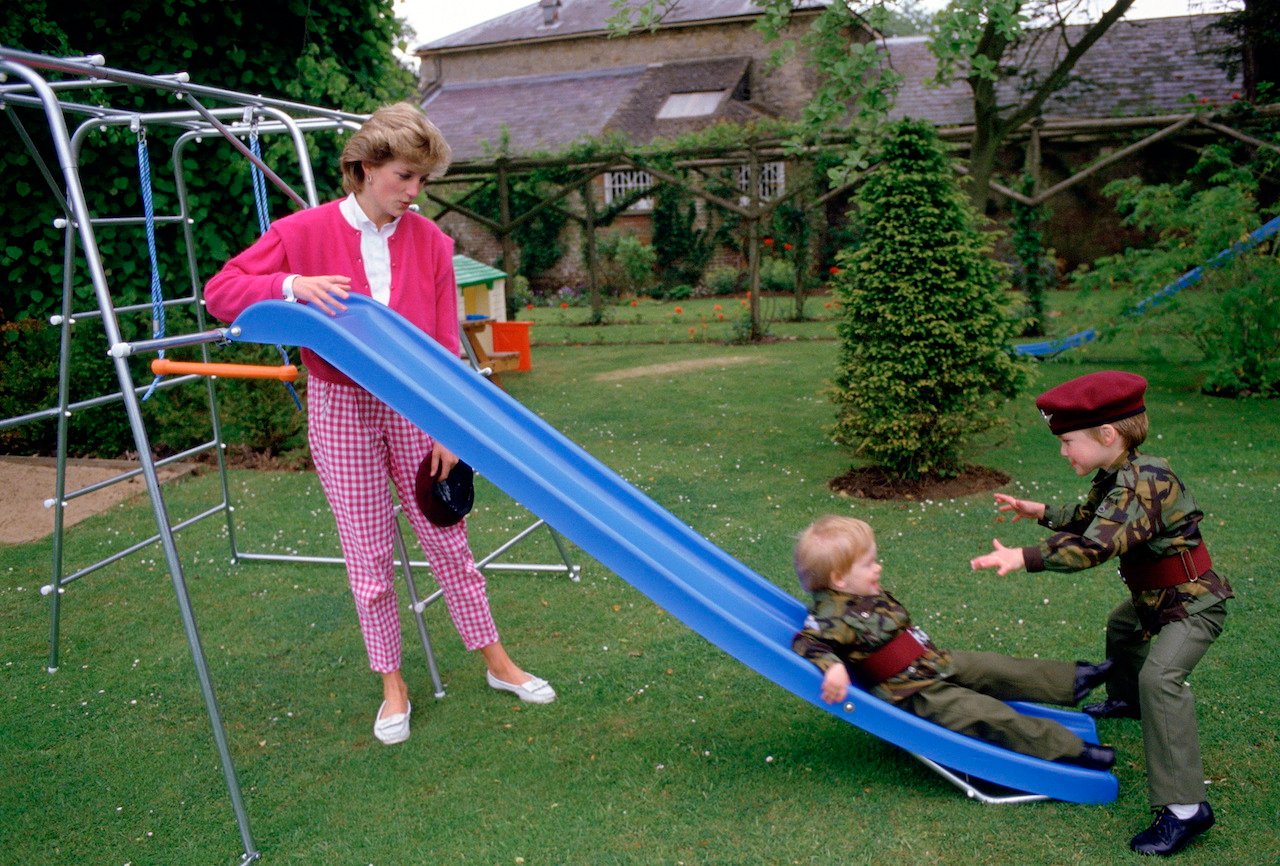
731 606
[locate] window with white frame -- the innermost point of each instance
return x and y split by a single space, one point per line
620 184
697 103
773 179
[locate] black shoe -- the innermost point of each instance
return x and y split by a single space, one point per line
1093 757
1089 677
1112 708
1169 834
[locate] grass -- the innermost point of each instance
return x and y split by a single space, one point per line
661 749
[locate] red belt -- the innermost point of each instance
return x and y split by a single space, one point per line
1186 566
890 659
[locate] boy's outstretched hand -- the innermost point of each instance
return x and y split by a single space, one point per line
1023 509
835 684
1003 559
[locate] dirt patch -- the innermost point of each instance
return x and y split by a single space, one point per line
876 484
674 367
29 482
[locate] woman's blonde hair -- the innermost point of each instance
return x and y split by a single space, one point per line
396 131
830 545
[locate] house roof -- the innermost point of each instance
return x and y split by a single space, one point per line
581 17
586 104
536 112
1142 67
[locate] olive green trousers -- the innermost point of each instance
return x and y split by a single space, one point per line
972 702
1153 674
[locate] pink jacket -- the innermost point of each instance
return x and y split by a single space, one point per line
319 241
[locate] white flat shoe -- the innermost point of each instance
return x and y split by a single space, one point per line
535 691
393 729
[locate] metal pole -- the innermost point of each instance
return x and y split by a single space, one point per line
80 208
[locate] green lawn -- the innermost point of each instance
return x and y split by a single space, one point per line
661 749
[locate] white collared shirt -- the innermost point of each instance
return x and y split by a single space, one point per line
375 253
374 249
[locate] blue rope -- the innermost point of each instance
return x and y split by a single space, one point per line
264 223
148 209
259 185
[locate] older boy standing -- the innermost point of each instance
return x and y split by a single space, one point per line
1138 512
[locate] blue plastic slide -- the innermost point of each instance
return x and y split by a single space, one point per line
1049 348
712 593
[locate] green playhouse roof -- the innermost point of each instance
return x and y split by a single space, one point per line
469 272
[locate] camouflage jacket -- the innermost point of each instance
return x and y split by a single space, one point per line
845 629
1136 511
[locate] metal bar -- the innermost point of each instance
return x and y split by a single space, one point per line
38 160
159 344
417 608
131 308
975 793
125 476
92 255
162 82
91 403
248 154
134 548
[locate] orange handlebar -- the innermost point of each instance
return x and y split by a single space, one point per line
165 367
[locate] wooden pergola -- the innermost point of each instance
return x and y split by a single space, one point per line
689 169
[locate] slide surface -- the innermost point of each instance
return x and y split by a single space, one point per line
737 610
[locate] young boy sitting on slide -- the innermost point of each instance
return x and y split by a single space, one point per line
856 630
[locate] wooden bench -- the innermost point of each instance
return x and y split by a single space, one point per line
480 357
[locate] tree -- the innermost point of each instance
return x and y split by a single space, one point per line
325 52
924 360
1256 51
987 41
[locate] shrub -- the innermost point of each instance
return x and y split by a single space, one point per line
627 263
256 414
777 275
518 296
1194 220
723 280
925 358
683 243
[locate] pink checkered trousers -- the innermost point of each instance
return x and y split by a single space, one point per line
357 442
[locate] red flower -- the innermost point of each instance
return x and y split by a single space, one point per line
768 242
1235 95
564 306
692 331
679 310
635 303
788 247
1204 100
717 308
833 270
528 306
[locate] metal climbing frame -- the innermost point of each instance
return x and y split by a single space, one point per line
37 85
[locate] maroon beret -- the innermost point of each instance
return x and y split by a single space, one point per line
1091 400
444 502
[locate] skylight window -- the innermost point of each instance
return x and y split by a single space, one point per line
698 103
